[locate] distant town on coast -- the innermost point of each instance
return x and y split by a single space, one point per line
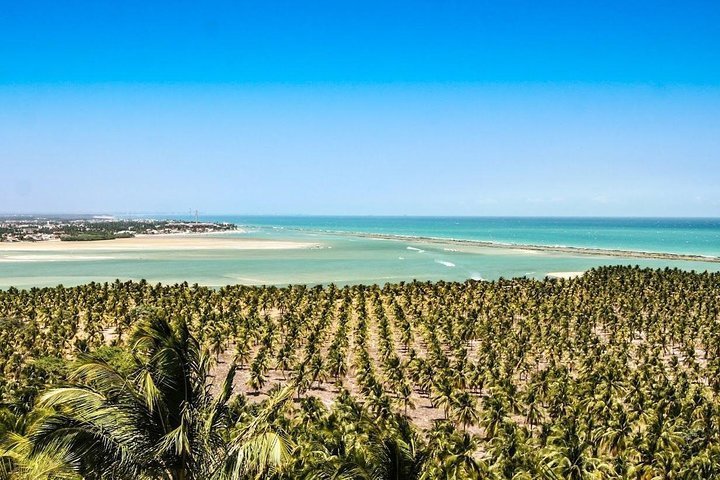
30 228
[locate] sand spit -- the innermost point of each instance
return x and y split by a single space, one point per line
566 275
595 252
158 242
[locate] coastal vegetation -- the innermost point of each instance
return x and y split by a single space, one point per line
615 374
34 229
95 235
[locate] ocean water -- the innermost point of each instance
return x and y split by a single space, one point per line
697 236
344 257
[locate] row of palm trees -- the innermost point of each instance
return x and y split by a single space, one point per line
612 375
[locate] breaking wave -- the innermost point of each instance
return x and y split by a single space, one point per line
443 262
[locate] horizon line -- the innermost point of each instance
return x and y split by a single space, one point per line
326 215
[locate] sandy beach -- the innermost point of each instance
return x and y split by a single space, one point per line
565 275
157 242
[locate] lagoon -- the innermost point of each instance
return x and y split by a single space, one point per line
351 250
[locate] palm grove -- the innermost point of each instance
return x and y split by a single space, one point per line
612 375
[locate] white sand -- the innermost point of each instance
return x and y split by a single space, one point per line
39 257
564 274
156 242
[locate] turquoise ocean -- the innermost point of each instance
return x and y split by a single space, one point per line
347 253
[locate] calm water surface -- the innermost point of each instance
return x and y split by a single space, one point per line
345 258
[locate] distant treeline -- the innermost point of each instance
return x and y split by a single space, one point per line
95 235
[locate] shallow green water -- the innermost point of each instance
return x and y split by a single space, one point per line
341 259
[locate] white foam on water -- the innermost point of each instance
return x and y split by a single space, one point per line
419 250
401 258
443 262
248 280
450 249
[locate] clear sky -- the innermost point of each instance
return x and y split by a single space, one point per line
344 107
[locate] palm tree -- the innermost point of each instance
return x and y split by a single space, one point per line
404 394
617 434
258 448
511 455
347 442
455 457
162 421
494 414
442 396
464 409
19 460
569 456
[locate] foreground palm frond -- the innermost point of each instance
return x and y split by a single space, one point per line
162 420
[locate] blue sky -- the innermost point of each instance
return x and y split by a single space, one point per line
435 108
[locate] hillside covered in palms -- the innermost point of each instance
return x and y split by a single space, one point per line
611 375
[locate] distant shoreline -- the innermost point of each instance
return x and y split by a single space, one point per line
207 240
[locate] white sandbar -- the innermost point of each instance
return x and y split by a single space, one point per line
564 274
157 242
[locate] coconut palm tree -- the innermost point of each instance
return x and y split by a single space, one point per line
464 410
20 460
162 421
